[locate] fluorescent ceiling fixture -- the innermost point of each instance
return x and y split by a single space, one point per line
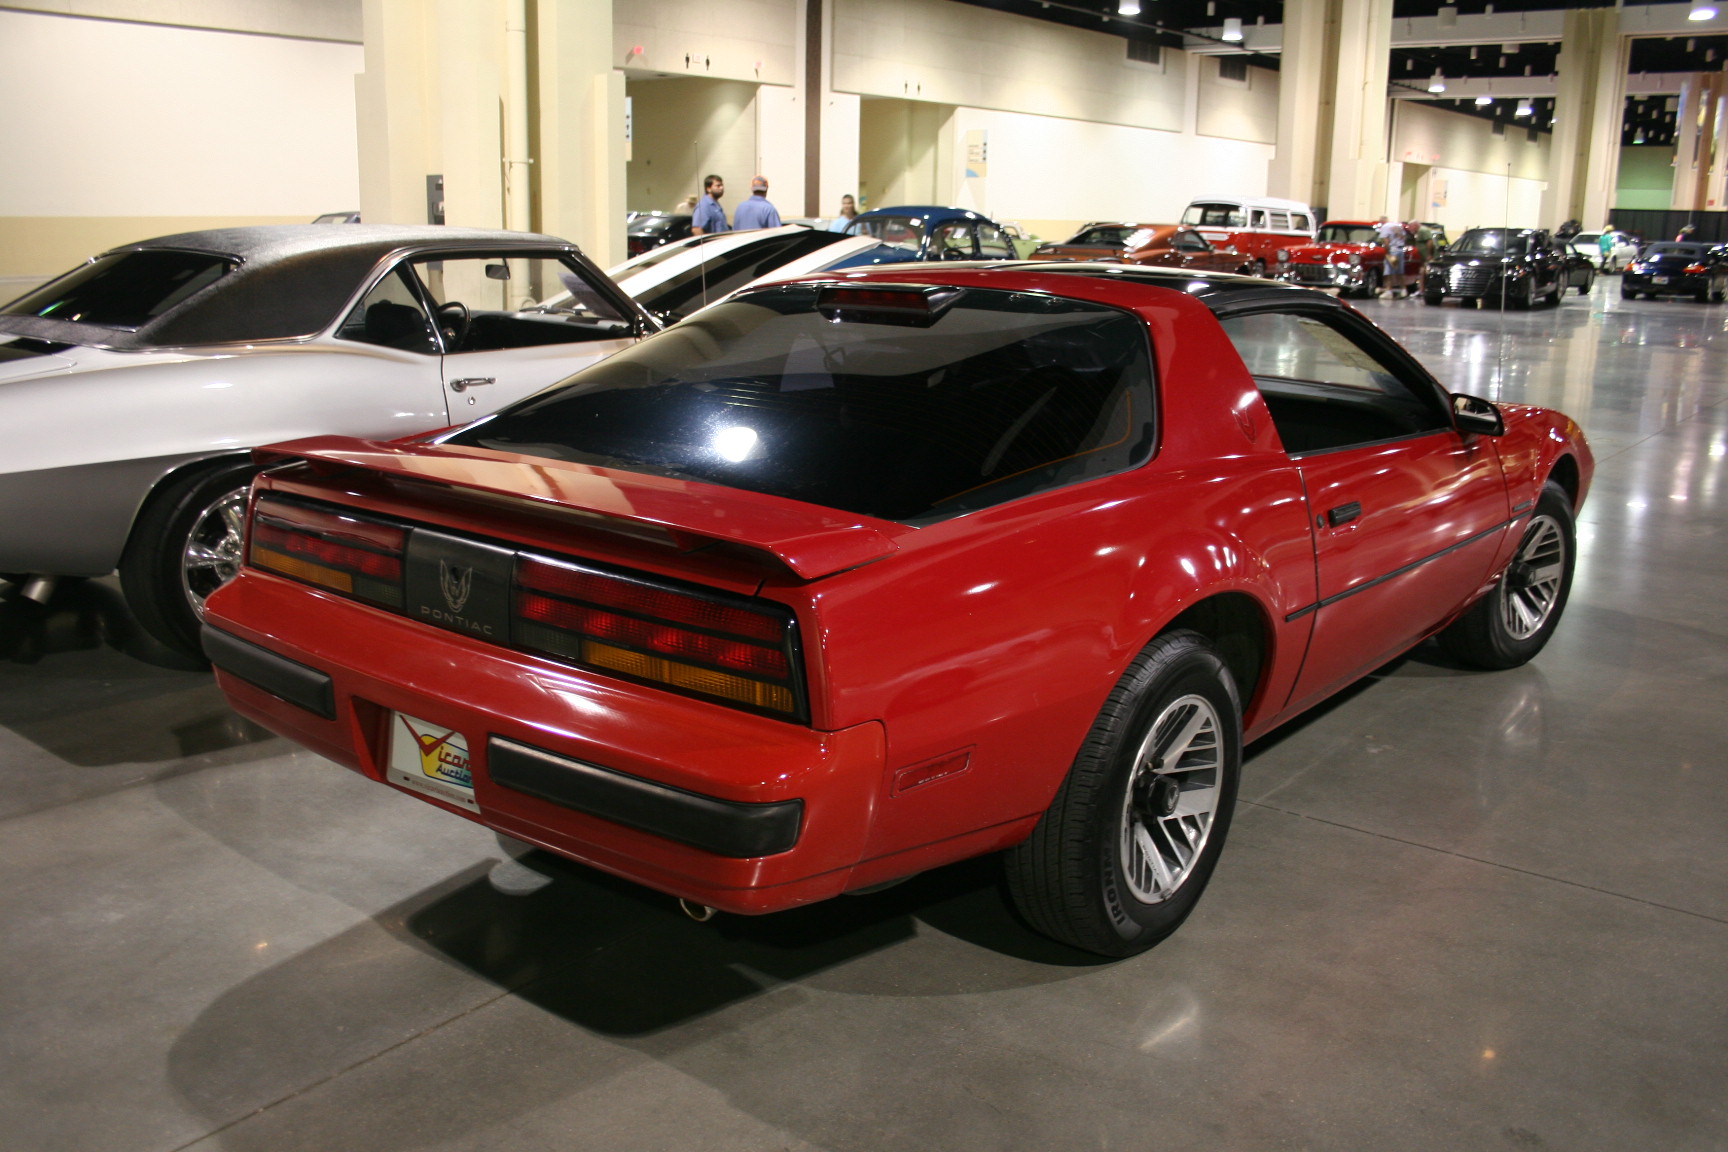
1702 12
1436 82
1233 28
1127 7
1525 108
1484 101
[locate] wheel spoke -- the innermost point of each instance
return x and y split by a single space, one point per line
1173 748
1158 850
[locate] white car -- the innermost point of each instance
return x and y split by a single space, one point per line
1622 251
133 388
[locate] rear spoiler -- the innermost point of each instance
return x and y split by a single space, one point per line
811 541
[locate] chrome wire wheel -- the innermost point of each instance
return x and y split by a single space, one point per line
1531 587
1171 800
212 554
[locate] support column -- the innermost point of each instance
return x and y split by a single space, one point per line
579 162
397 111
1584 159
470 79
1332 106
1302 72
1356 175
1699 152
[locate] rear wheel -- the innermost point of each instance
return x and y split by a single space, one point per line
1513 622
1126 848
1433 297
1628 293
184 546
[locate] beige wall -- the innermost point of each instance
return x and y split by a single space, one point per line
144 129
686 128
949 53
750 40
1233 110
307 19
1424 134
900 153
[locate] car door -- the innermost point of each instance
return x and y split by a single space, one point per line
403 374
1407 512
511 322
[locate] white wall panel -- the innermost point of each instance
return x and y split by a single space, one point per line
685 129
779 148
748 40
1424 134
142 120
1236 110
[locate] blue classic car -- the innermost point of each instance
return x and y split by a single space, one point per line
924 232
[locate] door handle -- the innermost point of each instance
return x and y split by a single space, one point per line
471 382
1344 513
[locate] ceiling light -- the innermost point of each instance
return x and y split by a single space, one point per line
1524 109
1702 12
1233 29
1472 51
1639 139
1127 7
1509 49
1484 101
1436 82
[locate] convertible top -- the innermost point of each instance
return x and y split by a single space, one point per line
292 281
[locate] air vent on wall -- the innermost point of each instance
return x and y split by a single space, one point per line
1146 51
1233 68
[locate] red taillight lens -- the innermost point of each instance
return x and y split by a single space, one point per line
1696 269
345 553
704 646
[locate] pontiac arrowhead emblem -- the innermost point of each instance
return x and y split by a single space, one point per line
455 583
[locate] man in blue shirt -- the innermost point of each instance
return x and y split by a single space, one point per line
710 217
756 212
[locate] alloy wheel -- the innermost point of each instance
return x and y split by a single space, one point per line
212 554
1171 799
1531 586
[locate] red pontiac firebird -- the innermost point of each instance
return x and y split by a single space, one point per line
845 579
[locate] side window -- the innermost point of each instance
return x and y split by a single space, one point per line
513 300
952 241
391 315
1189 242
1324 389
1301 222
991 241
1258 219
1280 221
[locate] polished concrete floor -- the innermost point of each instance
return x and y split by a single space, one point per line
1458 910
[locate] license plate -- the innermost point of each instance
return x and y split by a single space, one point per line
430 759
1658 279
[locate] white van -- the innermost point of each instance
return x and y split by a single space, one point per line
1256 226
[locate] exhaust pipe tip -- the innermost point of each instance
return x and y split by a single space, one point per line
700 913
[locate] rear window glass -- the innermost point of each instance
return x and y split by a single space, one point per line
1004 394
1694 251
123 290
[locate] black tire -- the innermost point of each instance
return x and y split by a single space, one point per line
1259 268
1718 296
1072 879
1702 295
1484 637
1435 298
164 594
1584 288
1627 293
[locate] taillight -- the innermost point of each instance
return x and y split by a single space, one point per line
743 655
354 555
1696 269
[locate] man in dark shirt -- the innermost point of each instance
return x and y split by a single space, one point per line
710 217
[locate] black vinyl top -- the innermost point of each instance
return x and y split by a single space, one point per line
292 280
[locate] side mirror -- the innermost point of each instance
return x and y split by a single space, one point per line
1473 414
497 271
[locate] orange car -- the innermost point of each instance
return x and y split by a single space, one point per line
1161 245
1174 246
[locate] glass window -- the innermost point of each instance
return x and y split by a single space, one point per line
391 315
952 241
513 300
992 243
124 289
1324 389
1301 222
988 397
1279 221
1214 216
1258 218
1189 242
899 231
1349 234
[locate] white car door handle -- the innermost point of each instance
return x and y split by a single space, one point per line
471 382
